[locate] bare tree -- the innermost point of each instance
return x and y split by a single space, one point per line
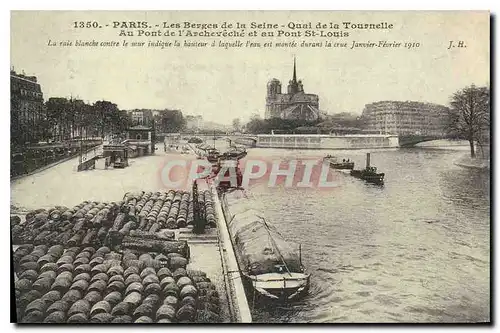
470 115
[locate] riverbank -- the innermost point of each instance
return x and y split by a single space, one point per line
473 163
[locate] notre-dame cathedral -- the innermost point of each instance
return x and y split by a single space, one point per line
295 104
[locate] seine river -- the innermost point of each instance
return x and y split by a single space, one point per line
414 250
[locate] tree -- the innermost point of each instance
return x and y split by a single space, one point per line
57 116
237 124
469 115
255 116
108 115
171 121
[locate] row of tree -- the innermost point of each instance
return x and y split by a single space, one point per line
170 121
278 125
73 118
256 125
62 119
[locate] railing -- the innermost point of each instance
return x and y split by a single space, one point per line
29 160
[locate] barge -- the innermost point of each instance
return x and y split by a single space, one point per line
270 265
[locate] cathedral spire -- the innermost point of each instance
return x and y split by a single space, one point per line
294 71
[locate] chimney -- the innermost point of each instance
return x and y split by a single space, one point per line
367 160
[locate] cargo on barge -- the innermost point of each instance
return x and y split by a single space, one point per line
270 265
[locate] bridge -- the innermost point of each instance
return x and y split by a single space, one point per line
251 140
241 139
412 140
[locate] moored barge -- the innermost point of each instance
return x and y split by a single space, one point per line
270 265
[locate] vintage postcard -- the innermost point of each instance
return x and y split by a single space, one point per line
250 167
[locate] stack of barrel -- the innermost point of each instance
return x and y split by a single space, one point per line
95 223
98 285
85 224
206 203
167 210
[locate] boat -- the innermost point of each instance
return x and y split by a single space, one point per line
270 265
335 164
224 182
213 155
369 173
342 165
235 153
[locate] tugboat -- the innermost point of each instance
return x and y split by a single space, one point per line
369 174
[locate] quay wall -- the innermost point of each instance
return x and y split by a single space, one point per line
238 302
327 141
19 171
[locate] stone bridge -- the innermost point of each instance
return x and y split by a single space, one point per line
412 140
241 139
245 140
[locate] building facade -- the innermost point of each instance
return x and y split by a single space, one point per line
141 117
294 104
406 118
140 140
26 109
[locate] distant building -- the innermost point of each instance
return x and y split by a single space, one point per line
26 108
140 141
295 104
406 118
141 117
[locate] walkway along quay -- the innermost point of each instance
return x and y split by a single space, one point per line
30 159
131 257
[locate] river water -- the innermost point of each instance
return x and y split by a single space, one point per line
415 250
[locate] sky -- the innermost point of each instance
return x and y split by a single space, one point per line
223 84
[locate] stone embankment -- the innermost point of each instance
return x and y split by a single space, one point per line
474 163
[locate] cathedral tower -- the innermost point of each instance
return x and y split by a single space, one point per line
293 85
